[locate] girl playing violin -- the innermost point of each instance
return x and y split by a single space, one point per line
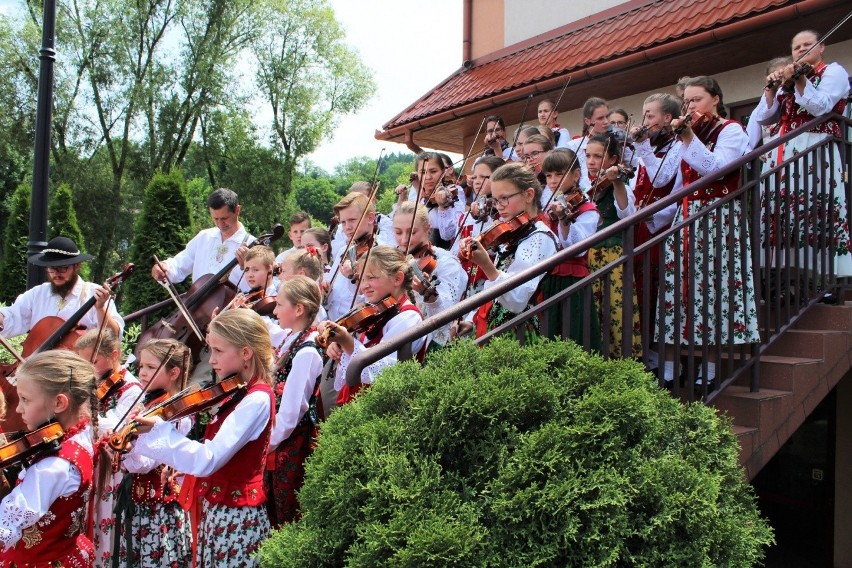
257 268
614 201
572 217
482 210
226 468
117 391
721 143
42 521
160 528
536 149
547 116
296 386
320 240
448 272
516 191
386 273
595 121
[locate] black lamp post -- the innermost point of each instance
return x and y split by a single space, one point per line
41 164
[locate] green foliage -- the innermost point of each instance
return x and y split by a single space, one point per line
129 339
13 268
534 456
163 229
316 197
62 221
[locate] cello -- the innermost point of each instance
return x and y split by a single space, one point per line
208 292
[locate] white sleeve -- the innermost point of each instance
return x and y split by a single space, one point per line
662 218
397 324
564 138
764 114
533 250
731 145
41 484
630 208
450 289
447 220
244 424
583 227
307 366
108 420
134 462
833 86
18 317
180 265
667 166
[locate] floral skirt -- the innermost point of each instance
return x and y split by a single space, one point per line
730 288
555 315
161 536
229 537
598 258
287 474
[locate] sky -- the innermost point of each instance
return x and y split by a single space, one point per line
411 47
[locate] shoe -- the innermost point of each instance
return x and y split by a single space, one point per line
668 385
698 387
830 299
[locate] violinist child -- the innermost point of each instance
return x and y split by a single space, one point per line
614 200
320 240
657 176
516 191
444 210
117 391
303 262
226 468
547 116
572 222
43 519
257 267
299 223
386 273
296 386
482 210
160 532
448 272
722 142
536 149
595 112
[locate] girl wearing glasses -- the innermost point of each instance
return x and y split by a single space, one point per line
536 149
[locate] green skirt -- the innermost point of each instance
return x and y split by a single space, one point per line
556 316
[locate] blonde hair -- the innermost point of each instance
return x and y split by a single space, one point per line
546 142
244 328
307 262
109 342
355 199
361 187
262 252
61 371
180 357
305 291
422 216
389 261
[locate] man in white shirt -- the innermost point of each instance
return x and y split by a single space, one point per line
62 296
211 249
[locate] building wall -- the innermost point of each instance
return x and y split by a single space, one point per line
842 475
528 18
486 27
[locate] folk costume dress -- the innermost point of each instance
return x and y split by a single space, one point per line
116 403
225 475
297 397
603 254
42 521
406 317
569 273
152 520
532 247
452 281
698 258
825 92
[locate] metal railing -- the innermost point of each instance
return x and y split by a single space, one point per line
782 222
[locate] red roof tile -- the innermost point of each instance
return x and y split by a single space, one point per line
653 24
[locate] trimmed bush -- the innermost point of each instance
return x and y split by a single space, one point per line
13 268
62 221
534 456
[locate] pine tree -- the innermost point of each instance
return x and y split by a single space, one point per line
13 268
62 221
163 229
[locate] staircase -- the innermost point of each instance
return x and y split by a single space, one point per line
796 373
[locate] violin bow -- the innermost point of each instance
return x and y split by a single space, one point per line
570 168
376 171
521 125
594 189
179 303
100 337
558 100
414 214
144 390
352 238
361 274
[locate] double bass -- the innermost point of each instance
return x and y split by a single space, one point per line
208 292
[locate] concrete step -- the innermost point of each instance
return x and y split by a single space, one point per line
781 373
763 409
811 344
746 436
826 317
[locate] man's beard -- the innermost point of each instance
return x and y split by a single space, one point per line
64 289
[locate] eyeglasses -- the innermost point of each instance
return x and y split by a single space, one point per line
532 155
618 122
58 269
505 199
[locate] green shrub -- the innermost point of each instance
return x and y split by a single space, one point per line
62 221
13 268
534 456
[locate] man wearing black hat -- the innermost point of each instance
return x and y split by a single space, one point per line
62 296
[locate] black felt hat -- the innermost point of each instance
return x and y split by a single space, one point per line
60 251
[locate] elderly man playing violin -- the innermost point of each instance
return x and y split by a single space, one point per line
62 296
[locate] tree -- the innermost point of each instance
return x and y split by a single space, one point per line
540 455
307 74
62 220
316 197
163 229
13 268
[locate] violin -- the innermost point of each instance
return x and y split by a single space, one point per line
658 136
362 318
570 202
500 233
185 403
603 183
108 383
257 300
425 263
26 445
802 70
332 225
487 210
702 124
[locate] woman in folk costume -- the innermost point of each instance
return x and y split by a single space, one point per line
790 100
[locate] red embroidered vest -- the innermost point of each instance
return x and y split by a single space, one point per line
645 193
239 483
721 186
577 266
59 533
794 115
